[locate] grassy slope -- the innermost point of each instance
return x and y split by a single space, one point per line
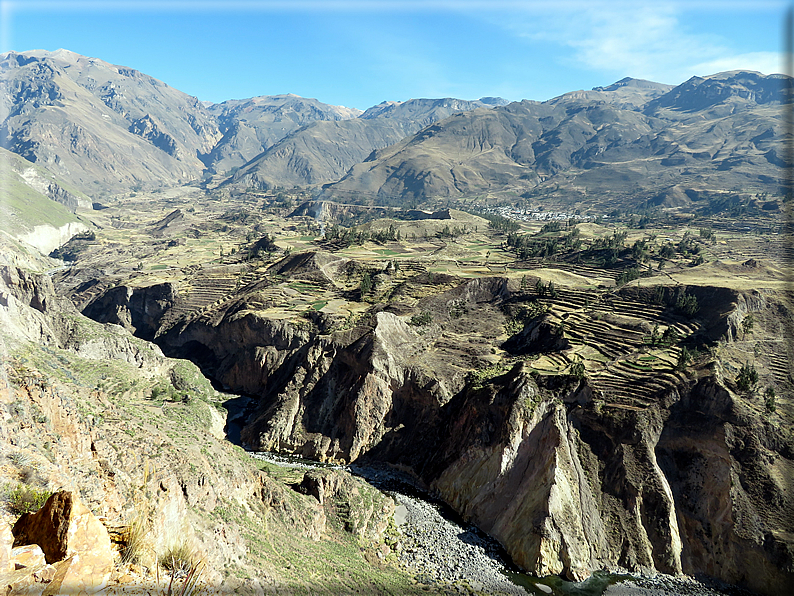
21 206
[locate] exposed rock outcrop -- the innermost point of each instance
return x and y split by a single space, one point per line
72 539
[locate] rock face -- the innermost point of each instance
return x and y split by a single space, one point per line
73 539
6 543
137 309
567 483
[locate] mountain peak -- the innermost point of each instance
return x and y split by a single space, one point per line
631 82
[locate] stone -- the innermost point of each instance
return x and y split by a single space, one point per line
6 543
72 539
27 556
46 573
81 573
400 513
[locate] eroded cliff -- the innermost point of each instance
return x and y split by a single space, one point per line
684 475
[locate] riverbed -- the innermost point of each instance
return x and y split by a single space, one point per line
442 550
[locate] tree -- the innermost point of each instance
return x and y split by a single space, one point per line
687 303
684 358
577 370
747 324
769 400
747 378
366 283
655 334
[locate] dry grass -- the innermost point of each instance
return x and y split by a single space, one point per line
179 557
135 541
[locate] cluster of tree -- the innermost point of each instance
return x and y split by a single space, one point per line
686 303
747 378
669 338
707 234
527 246
500 223
546 290
451 233
355 236
616 240
628 275
420 320
640 222
679 299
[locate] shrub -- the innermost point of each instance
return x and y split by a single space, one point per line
747 378
420 320
178 557
26 499
134 543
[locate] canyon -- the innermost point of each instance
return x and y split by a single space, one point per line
569 321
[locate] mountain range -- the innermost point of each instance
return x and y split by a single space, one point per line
715 134
105 129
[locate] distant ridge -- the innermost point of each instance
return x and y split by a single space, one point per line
633 138
105 128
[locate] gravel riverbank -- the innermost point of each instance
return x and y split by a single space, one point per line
440 551
444 552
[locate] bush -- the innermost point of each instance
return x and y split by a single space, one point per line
178 557
134 541
27 499
420 320
747 378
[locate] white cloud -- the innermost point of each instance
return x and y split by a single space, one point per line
658 41
764 62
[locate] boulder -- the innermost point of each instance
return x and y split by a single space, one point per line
72 539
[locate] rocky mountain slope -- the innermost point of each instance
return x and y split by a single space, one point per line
117 128
251 126
706 138
629 140
101 126
325 151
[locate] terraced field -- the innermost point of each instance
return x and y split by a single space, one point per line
610 335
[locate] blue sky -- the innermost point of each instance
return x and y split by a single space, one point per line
358 53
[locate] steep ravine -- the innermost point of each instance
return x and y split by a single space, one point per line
694 483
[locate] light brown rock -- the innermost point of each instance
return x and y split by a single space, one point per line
72 539
6 542
28 556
